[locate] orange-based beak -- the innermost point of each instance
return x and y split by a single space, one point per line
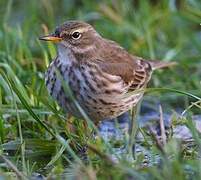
51 38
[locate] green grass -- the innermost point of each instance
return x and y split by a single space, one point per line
33 136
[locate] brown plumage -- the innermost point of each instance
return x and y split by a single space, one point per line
99 72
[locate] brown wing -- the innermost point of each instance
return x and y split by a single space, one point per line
135 72
136 75
113 59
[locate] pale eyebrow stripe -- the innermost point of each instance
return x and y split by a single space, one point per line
81 30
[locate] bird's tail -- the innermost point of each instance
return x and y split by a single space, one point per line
161 64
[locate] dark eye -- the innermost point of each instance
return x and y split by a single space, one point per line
57 33
76 35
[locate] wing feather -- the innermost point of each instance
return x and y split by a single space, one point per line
135 75
115 60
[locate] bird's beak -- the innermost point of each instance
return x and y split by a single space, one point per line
51 38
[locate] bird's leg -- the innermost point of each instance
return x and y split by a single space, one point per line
124 122
133 131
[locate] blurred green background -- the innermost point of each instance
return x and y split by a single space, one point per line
168 30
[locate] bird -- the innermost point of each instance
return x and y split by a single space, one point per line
104 78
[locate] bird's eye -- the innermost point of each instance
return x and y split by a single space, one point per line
57 33
76 35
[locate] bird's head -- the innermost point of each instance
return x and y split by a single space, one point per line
75 35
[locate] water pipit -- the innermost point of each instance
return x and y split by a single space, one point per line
100 73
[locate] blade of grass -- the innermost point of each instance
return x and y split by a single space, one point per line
196 104
19 174
2 129
70 150
15 79
20 133
163 90
57 156
25 103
